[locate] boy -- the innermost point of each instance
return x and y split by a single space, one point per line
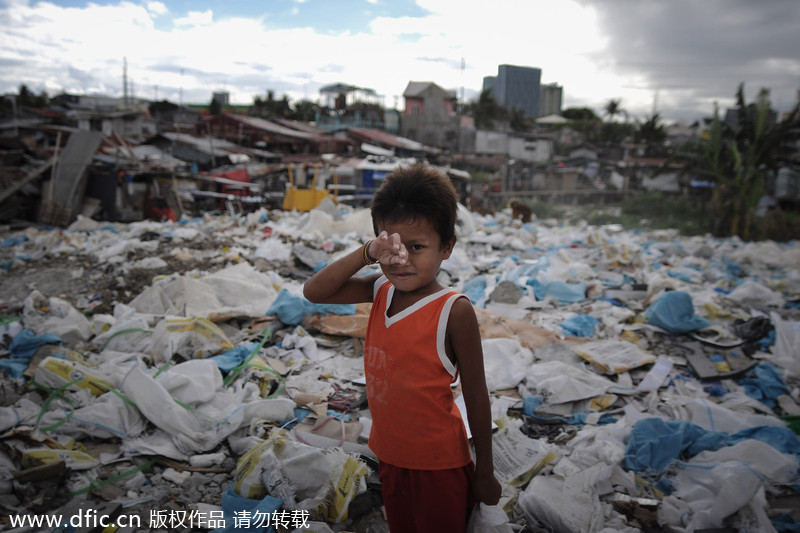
420 337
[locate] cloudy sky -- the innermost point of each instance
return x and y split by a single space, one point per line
675 56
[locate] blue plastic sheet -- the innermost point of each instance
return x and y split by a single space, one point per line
26 342
674 312
766 341
291 309
565 292
229 360
734 270
11 241
654 443
236 508
683 276
764 383
22 348
612 301
782 439
538 288
300 414
579 326
526 270
475 289
785 523
530 403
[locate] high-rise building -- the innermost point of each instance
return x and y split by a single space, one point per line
551 99
222 97
519 87
490 84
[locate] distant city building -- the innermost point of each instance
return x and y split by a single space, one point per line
732 118
551 98
223 98
489 84
519 87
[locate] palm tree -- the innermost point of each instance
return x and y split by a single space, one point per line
270 107
304 111
651 131
613 108
738 161
752 151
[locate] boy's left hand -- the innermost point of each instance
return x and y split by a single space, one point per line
485 488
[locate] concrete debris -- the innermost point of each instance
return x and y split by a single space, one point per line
170 376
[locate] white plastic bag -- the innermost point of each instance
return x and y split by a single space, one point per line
488 519
505 361
787 344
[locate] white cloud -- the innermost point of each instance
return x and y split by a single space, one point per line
157 8
196 18
51 48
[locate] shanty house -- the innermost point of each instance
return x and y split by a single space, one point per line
262 133
430 115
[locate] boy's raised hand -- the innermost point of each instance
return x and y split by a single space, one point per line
388 249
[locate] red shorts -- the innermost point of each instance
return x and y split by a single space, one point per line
427 501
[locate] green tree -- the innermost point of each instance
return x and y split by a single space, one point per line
580 113
6 106
613 133
27 98
517 120
214 107
304 111
651 131
270 107
613 108
752 152
739 161
486 111
586 122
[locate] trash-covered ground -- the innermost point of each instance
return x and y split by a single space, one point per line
170 376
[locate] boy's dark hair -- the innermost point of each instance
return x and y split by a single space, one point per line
411 193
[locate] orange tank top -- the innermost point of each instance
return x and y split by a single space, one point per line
415 421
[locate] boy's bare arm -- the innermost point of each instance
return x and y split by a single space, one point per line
337 283
465 341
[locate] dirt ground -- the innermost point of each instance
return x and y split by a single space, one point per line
90 286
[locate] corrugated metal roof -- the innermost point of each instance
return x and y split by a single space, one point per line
386 139
266 125
214 146
300 126
415 88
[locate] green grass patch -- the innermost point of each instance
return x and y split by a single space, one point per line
544 210
649 210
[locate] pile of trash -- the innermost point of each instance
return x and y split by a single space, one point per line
639 381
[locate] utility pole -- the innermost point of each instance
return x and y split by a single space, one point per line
459 144
125 82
